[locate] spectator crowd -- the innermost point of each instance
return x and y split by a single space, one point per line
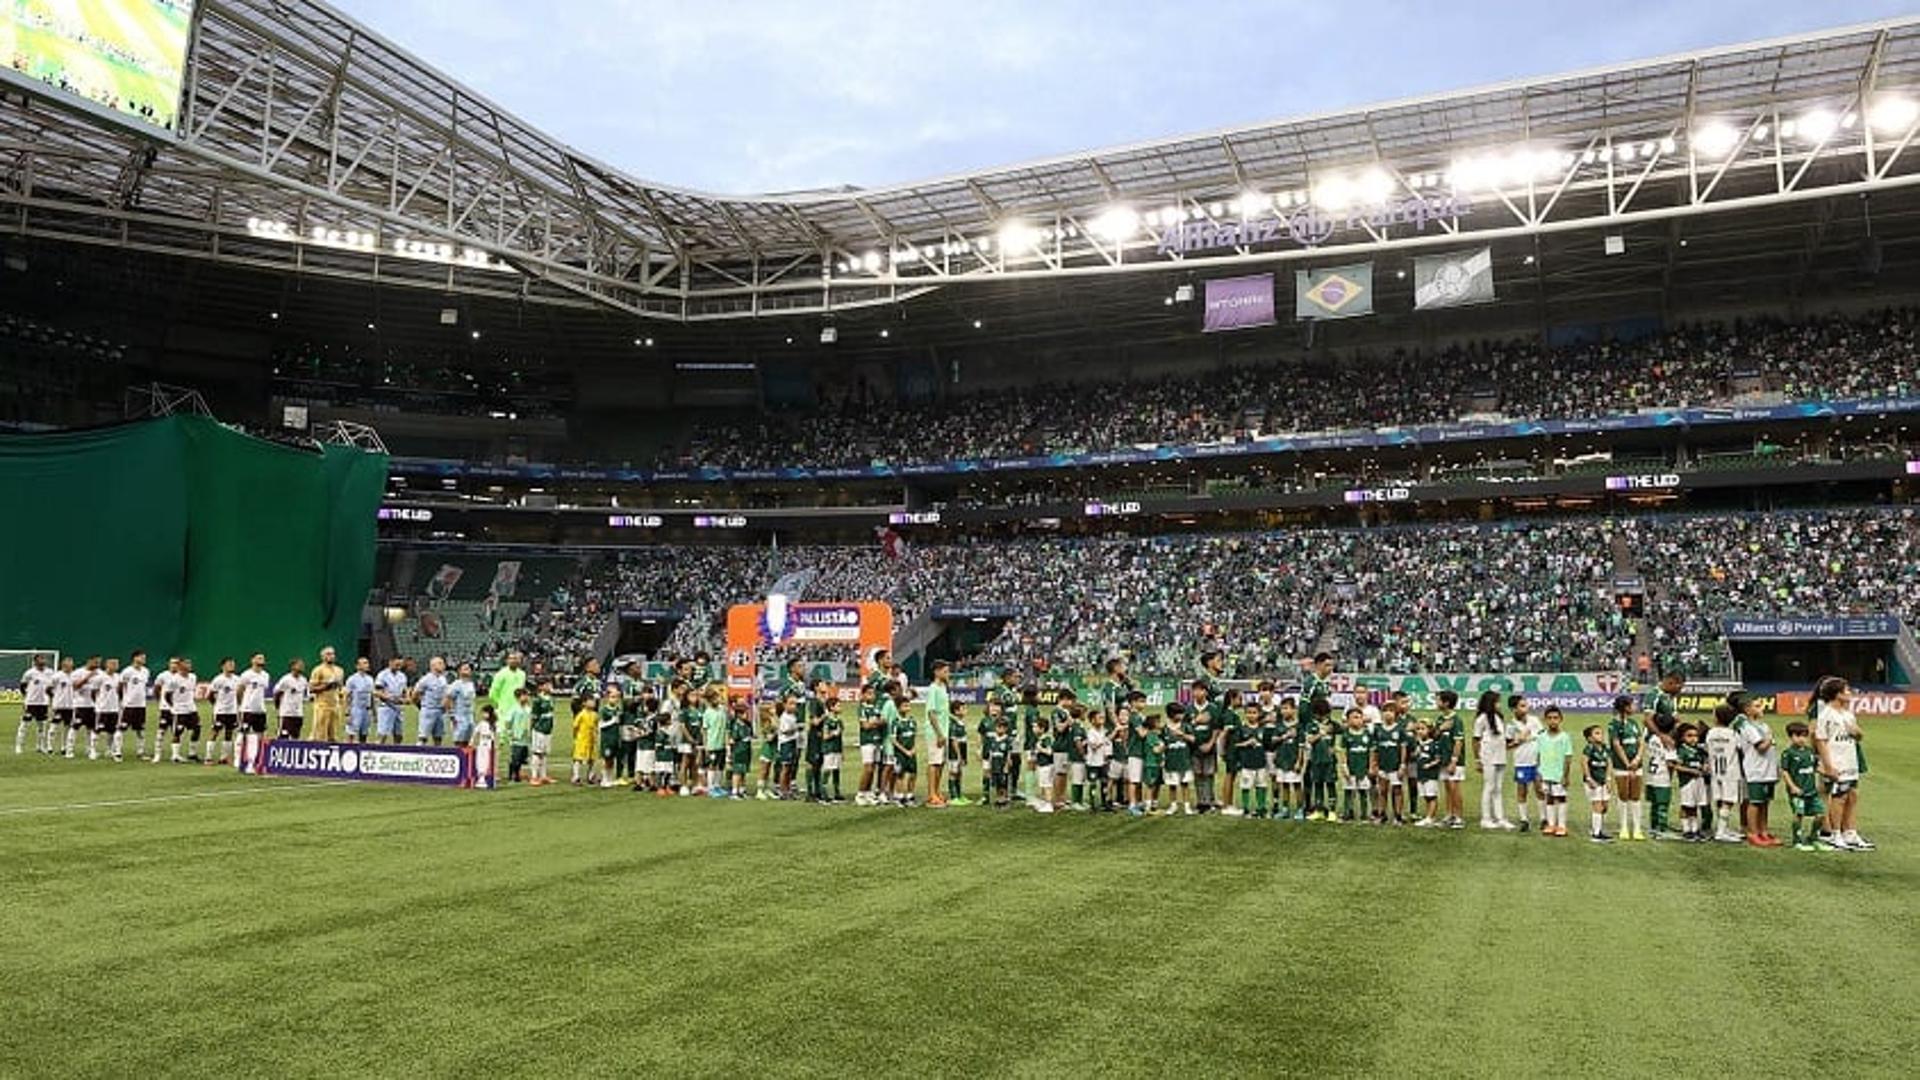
1822 358
1516 596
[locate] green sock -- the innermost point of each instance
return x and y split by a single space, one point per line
1260 800
1246 799
1079 792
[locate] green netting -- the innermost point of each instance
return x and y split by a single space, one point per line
183 537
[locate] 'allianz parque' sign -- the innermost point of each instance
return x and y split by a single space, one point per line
1310 226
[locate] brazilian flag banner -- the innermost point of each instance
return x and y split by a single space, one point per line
1339 292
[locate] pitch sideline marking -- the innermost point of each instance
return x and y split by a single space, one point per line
55 808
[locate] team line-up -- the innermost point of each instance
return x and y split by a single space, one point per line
1275 756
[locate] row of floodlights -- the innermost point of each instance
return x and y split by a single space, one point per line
366 241
1890 114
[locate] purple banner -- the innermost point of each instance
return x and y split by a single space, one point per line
1235 303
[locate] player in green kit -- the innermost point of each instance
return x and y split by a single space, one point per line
1153 768
1316 684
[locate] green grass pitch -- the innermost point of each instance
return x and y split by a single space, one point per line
187 920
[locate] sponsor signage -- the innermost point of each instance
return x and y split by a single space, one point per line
1913 468
439 766
1643 482
633 521
719 521
1385 494
1419 435
1112 509
1237 303
651 614
1690 701
1572 691
405 513
1797 628
1865 703
1310 226
983 611
914 517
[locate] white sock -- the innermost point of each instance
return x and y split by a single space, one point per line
1599 822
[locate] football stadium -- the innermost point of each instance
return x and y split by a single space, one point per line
1425 585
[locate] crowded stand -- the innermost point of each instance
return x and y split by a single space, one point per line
1832 562
1815 359
1513 596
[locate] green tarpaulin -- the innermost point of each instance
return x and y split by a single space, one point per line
184 537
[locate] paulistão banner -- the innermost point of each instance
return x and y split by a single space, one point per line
438 766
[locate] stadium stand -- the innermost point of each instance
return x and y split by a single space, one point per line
1815 359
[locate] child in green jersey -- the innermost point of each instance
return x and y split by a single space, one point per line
1179 766
739 750
1322 769
999 754
833 745
1156 763
1627 739
1426 773
1596 759
1690 773
1800 768
903 736
1356 766
1289 800
609 727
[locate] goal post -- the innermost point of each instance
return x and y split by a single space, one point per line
14 664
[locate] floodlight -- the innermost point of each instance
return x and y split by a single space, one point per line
1817 124
1715 139
1117 224
1374 184
1333 193
1016 237
870 262
1893 114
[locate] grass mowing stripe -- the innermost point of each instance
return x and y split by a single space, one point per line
366 929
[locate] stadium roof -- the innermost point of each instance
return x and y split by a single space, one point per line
308 143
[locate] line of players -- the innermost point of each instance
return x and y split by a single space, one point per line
99 708
1370 765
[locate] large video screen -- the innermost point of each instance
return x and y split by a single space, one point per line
126 56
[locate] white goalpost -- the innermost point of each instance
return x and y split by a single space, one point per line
14 664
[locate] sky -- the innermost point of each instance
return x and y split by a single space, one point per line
750 96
